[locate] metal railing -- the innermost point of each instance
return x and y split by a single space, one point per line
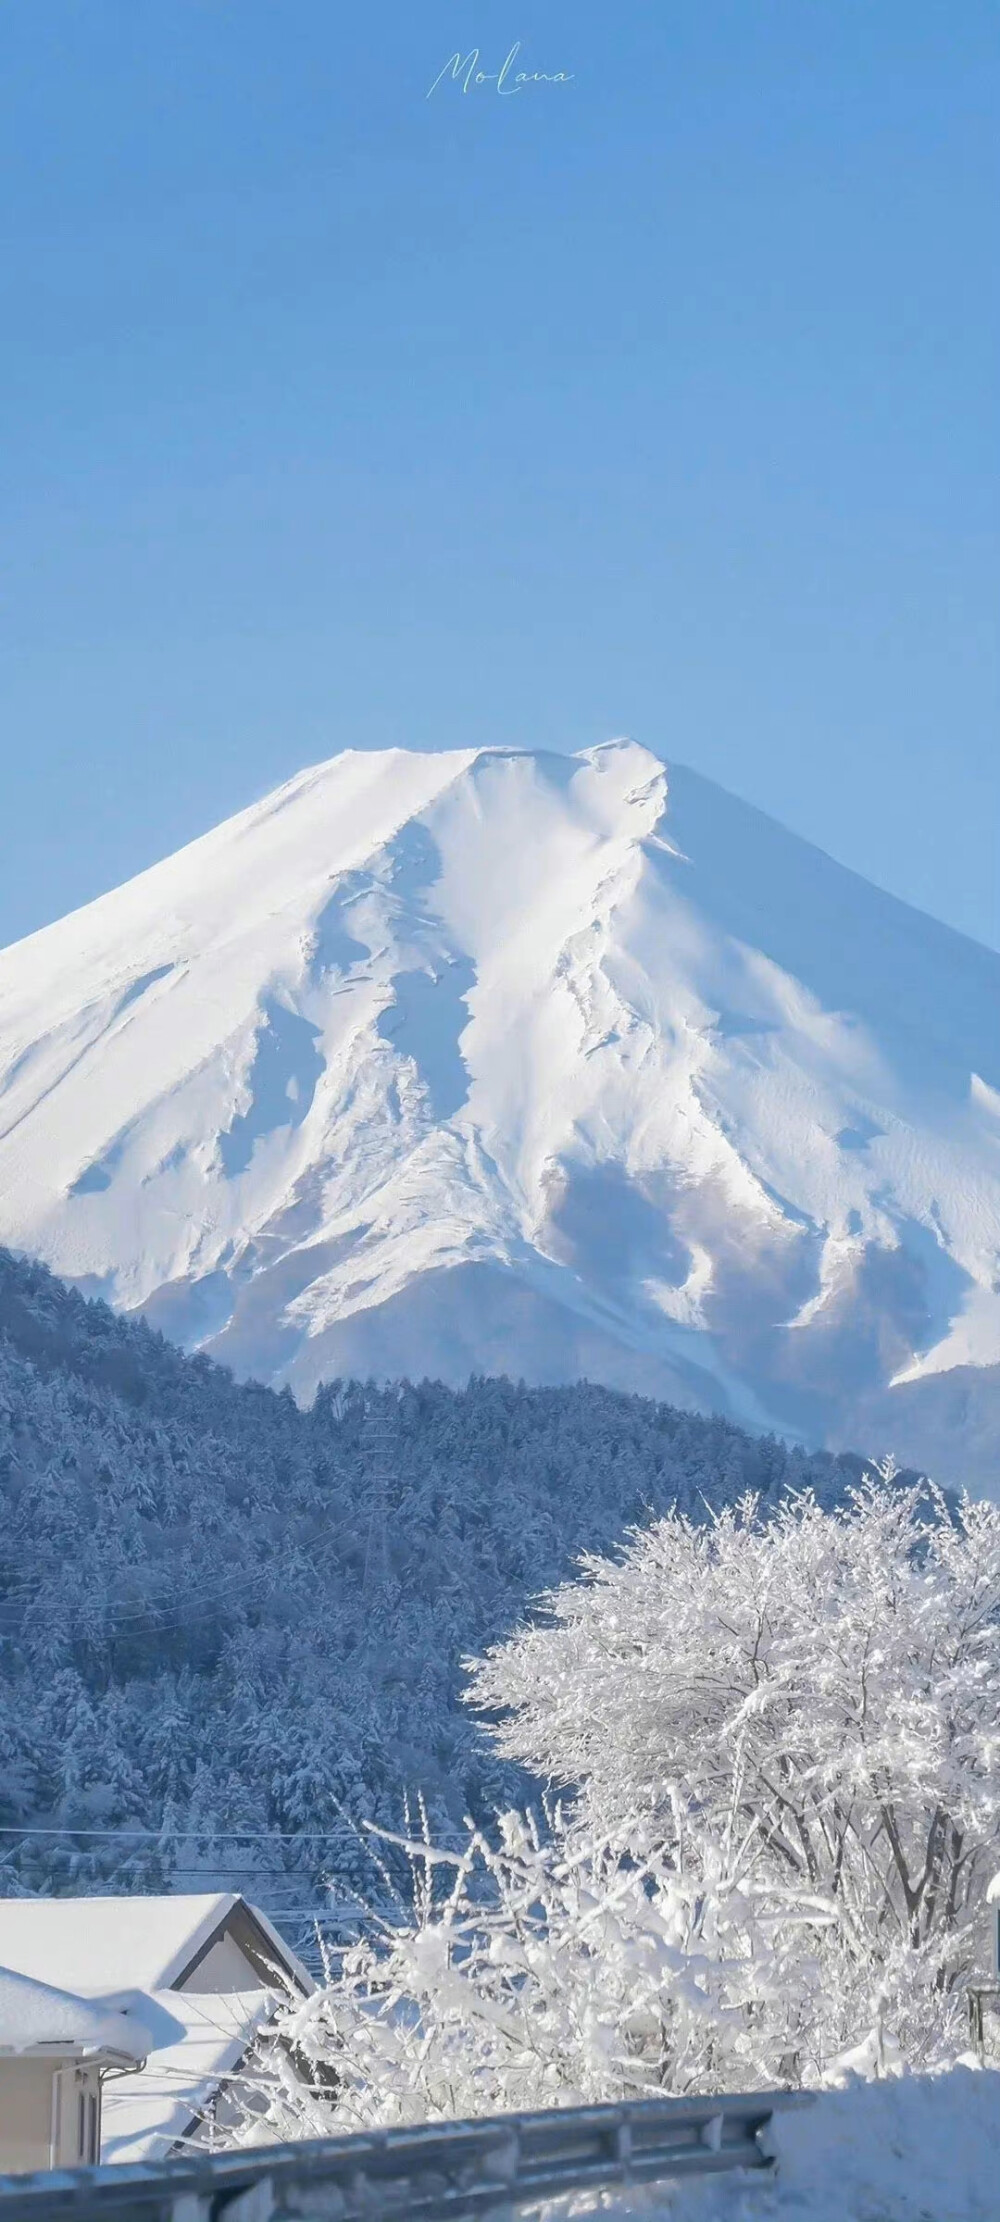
441 2172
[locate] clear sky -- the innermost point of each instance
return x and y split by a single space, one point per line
663 401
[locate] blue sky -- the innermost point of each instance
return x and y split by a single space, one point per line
661 402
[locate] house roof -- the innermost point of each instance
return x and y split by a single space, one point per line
37 2018
147 2113
102 1945
131 1953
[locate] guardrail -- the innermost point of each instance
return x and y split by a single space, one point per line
439 2172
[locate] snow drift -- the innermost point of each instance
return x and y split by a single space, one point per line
911 2149
509 1061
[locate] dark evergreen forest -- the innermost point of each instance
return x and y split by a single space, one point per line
232 1631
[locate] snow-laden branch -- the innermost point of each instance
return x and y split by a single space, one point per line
783 1737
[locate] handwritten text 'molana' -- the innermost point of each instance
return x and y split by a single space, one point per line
464 70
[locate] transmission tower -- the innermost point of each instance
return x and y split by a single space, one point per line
377 1443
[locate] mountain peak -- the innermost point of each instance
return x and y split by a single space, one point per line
505 1060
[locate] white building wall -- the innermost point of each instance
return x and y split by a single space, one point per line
50 2116
224 1968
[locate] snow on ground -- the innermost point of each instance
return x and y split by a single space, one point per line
916 2149
509 1061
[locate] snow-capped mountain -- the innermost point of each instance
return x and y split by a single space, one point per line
505 1061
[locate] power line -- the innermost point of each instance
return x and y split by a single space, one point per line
184 1834
313 1913
203 1605
230 1867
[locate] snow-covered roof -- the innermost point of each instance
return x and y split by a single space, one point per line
102 1945
145 2114
36 2017
123 1957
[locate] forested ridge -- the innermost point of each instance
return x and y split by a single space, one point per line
221 1613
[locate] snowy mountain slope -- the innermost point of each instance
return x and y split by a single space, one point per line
545 1064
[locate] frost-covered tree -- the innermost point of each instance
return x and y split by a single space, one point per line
832 1675
552 1966
543 1966
781 1741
